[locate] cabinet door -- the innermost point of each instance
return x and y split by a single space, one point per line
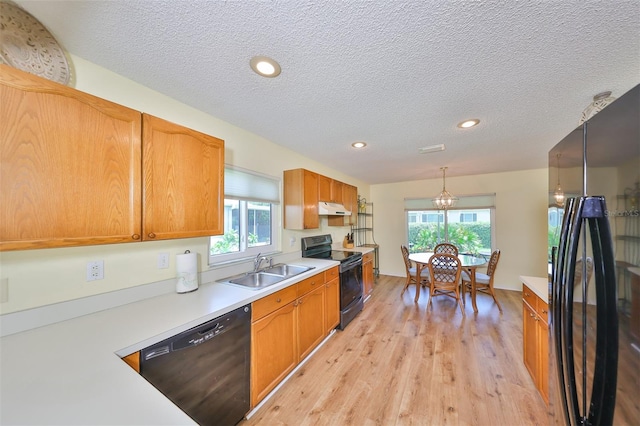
367 274
183 181
69 166
332 304
274 351
543 355
311 321
336 191
350 201
530 340
324 188
301 199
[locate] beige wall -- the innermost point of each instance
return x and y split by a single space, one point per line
520 219
42 277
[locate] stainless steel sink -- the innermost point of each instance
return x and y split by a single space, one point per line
266 277
287 270
257 280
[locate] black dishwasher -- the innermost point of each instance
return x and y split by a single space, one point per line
205 370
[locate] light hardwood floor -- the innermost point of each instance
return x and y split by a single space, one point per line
398 363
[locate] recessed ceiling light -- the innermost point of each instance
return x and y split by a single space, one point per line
265 66
468 123
358 144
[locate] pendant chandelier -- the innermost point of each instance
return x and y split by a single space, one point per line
444 200
558 195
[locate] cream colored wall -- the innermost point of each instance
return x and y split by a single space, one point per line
520 220
41 277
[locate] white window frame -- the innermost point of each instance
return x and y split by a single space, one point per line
234 190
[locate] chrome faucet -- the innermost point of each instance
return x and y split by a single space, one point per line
257 262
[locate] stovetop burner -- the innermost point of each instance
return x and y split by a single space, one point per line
320 247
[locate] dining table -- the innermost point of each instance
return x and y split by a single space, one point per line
467 261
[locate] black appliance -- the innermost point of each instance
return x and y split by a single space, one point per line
205 370
351 291
595 266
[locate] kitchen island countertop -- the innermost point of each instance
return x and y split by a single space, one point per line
71 373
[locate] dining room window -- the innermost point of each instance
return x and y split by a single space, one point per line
469 226
251 216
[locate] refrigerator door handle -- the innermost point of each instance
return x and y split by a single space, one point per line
557 318
602 403
603 393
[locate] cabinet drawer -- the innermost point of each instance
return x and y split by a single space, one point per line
368 257
543 311
530 297
274 301
311 283
331 274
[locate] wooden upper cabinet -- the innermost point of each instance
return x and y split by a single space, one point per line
183 174
329 190
70 171
324 188
301 199
350 201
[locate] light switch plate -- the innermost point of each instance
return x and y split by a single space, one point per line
163 260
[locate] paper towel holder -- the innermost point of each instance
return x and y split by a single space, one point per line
187 272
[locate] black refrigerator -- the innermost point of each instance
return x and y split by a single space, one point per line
594 269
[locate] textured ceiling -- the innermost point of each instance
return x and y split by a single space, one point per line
397 74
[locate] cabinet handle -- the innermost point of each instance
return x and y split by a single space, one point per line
527 294
313 283
544 311
136 236
152 235
531 315
278 300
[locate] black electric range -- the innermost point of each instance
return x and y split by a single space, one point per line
319 247
351 290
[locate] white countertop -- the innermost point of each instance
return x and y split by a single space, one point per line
71 372
539 285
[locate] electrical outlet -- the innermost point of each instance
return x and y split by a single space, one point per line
163 260
4 290
95 270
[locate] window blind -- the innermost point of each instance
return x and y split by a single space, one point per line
246 185
480 201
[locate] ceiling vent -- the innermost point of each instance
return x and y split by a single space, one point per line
432 148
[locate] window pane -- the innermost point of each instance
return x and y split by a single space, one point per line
424 235
230 241
468 229
258 224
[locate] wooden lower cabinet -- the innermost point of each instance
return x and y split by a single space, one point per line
274 351
133 360
367 274
286 327
311 323
535 330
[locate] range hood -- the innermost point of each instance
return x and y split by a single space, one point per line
332 209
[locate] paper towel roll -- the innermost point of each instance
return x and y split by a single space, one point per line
186 272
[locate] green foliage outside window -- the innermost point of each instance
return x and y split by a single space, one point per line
230 242
469 238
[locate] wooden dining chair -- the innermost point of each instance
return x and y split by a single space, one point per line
446 248
411 274
444 280
484 282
